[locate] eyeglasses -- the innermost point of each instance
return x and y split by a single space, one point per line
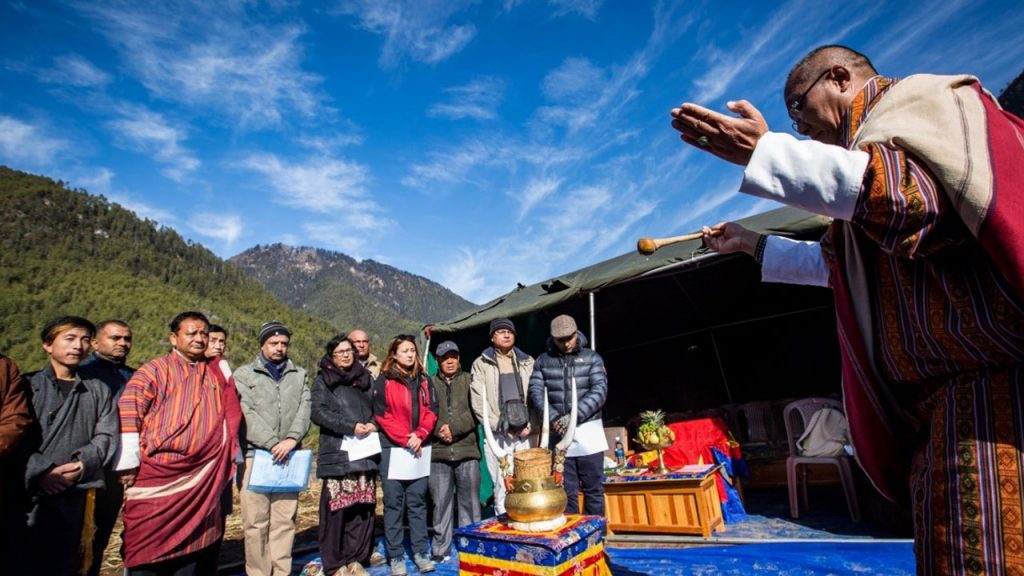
360 341
797 104
345 352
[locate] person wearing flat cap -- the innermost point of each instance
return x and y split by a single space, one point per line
568 358
455 459
276 406
503 372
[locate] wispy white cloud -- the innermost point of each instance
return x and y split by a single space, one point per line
336 237
534 192
318 184
478 99
28 145
213 55
74 70
224 227
145 131
586 8
97 181
415 29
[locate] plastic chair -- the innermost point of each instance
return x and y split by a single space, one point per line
796 416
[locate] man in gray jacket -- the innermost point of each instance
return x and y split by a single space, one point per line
275 404
74 437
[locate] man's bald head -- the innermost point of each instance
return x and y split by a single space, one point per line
825 57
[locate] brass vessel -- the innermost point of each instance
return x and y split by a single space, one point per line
535 500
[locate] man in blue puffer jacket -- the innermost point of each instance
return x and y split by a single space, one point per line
568 358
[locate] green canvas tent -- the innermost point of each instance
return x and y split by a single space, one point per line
682 329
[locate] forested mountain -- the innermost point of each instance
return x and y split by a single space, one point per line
349 293
1012 98
65 251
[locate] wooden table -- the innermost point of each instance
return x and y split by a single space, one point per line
671 504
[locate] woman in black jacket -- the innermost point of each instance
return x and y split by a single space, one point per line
342 407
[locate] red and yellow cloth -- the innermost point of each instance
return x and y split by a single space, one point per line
491 547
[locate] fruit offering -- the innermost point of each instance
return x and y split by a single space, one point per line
653 431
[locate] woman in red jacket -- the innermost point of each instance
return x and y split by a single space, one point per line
405 407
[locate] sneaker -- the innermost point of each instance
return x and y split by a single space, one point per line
356 569
377 559
398 567
423 563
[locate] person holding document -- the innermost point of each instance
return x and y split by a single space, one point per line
276 405
405 406
343 409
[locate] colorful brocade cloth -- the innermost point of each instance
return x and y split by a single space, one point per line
491 547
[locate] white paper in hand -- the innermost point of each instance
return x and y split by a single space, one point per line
403 465
359 448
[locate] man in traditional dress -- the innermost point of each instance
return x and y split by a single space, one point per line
73 439
179 428
15 418
276 405
110 350
925 256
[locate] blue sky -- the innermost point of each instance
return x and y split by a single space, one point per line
479 144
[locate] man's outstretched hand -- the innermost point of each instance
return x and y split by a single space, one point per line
731 138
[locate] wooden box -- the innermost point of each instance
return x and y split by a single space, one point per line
671 503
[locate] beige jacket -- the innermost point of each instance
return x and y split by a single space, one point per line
485 373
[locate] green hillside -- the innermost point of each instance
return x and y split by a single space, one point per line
65 251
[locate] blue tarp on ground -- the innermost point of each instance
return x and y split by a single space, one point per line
855 558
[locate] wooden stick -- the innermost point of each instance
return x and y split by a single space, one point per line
647 246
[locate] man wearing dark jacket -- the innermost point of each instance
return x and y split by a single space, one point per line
110 349
568 359
456 454
15 418
73 439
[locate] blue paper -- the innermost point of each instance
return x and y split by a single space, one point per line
269 476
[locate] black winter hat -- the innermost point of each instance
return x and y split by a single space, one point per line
502 323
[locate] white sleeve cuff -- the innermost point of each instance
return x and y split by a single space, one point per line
816 177
128 455
794 262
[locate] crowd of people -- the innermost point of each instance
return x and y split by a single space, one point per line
87 439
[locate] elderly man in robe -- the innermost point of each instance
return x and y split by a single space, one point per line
925 257
179 428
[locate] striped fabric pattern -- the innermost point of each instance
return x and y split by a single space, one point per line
948 342
171 424
186 438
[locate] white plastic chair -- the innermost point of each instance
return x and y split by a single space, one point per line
796 416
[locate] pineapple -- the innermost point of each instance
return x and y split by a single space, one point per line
653 431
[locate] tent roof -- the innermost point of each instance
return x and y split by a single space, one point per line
526 299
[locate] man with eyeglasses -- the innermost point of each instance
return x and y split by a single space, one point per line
569 362
498 384
362 343
925 256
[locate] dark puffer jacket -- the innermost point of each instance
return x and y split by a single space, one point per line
341 399
555 370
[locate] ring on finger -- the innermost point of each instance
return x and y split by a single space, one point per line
703 141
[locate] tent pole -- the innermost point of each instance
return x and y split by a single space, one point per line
593 329
721 369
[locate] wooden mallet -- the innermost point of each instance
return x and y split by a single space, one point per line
647 246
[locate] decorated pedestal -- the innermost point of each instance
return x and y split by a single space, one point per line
492 547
